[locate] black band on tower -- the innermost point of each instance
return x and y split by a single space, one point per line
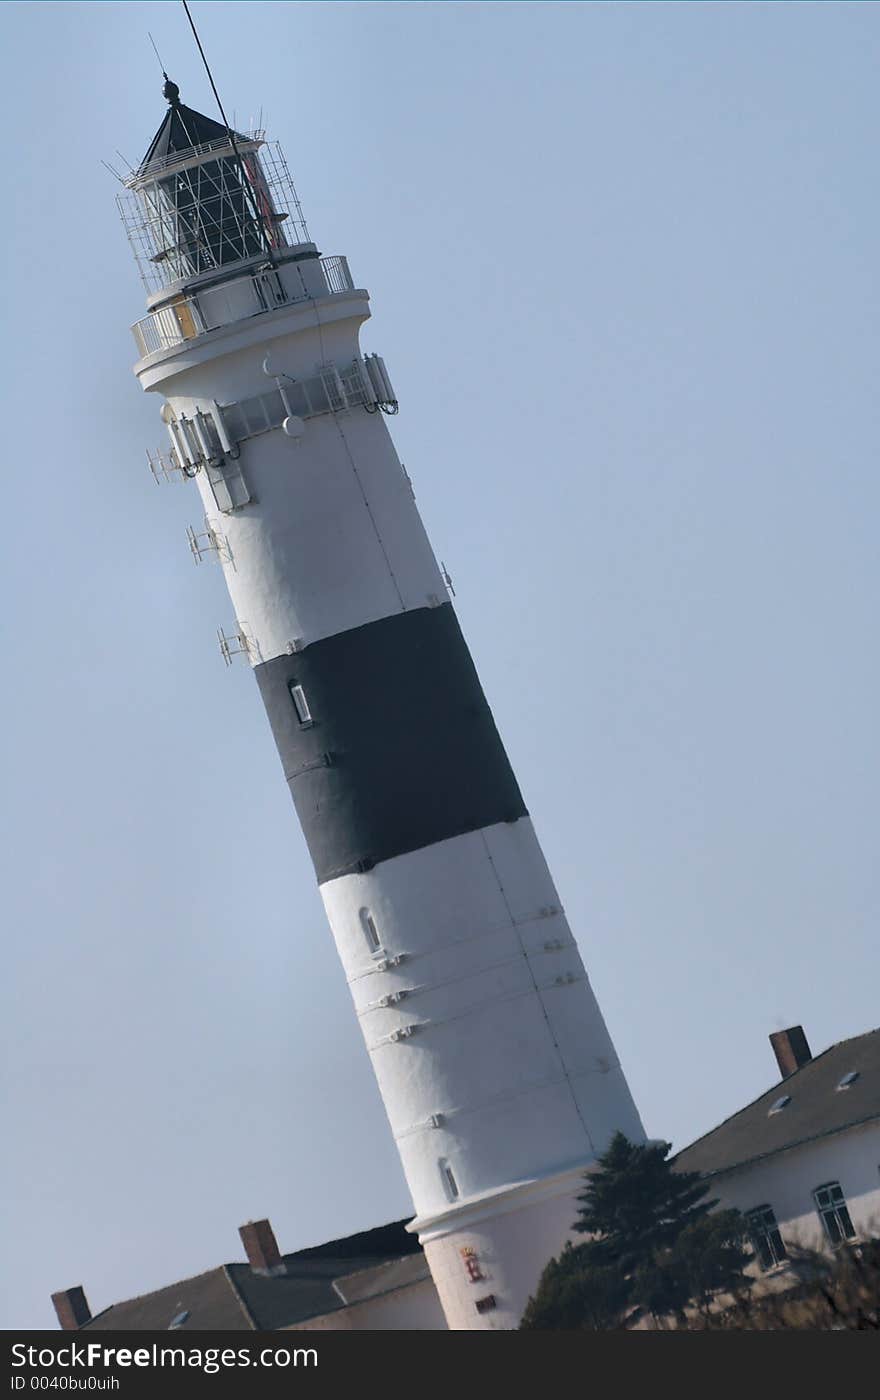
387 741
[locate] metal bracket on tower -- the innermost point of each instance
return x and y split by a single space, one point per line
228 486
166 467
333 387
208 543
565 979
393 960
383 1002
202 442
396 1036
447 578
433 1120
238 644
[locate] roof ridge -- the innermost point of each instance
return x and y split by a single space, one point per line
163 1288
378 1264
240 1298
325 1249
152 1292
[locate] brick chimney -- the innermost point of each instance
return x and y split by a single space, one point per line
72 1308
261 1247
791 1049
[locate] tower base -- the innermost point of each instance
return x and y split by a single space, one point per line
488 1253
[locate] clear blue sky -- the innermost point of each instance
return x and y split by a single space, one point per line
623 266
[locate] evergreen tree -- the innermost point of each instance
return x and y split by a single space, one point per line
576 1295
635 1204
654 1242
709 1256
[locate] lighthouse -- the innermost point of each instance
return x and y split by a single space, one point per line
498 1075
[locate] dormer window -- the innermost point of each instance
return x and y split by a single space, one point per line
779 1104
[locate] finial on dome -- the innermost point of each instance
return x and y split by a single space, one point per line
171 91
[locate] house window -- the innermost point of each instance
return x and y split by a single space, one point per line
833 1212
450 1185
371 933
300 703
765 1236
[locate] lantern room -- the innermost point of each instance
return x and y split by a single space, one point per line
205 198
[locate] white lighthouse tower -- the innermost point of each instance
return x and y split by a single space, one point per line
498 1075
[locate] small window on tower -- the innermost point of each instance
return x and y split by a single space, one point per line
450 1185
371 933
300 703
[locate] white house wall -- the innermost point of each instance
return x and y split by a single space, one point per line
787 1181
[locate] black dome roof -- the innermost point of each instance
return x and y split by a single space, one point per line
183 128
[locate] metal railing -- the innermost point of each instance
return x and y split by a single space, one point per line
337 275
163 164
187 318
163 329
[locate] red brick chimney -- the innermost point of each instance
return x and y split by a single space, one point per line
261 1247
72 1309
791 1050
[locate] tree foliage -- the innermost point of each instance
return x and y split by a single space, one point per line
576 1294
836 1294
654 1242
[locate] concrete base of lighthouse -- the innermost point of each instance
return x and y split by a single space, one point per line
487 1254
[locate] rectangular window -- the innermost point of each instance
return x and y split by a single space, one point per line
300 703
831 1205
450 1185
371 933
765 1236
